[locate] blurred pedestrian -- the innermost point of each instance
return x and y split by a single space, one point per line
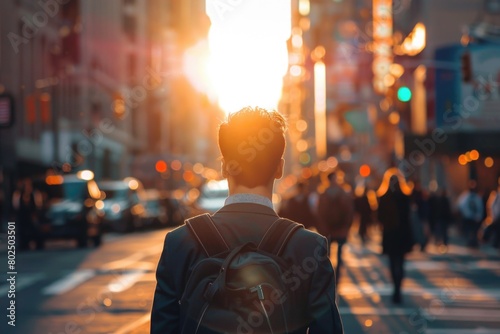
470 205
420 215
364 212
298 207
440 216
27 203
493 231
394 216
335 214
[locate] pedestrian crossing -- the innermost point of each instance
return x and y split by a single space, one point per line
463 331
123 280
367 297
68 282
446 314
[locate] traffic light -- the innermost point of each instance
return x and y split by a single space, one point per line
161 166
466 67
404 94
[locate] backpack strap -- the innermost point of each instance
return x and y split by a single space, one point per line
277 236
207 234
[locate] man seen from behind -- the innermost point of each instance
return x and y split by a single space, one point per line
252 143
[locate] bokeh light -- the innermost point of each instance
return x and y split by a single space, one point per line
364 170
161 166
301 125
474 155
176 165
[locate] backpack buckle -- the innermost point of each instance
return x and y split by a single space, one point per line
259 290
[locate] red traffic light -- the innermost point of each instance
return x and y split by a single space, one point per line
161 166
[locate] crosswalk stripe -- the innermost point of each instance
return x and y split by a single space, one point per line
133 325
125 281
69 282
463 331
450 292
132 259
22 282
445 313
428 265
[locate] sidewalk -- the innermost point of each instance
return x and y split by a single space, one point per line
442 292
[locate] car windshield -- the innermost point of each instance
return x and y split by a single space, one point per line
215 193
215 189
74 191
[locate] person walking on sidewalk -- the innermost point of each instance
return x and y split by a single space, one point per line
471 209
335 212
493 230
365 214
298 207
440 217
252 143
397 239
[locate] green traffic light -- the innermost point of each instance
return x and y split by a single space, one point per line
404 94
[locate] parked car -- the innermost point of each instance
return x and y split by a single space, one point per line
70 210
176 209
123 205
154 212
212 196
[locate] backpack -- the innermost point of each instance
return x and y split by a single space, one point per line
238 290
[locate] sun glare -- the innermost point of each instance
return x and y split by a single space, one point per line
248 52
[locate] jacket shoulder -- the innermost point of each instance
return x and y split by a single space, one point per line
304 242
180 237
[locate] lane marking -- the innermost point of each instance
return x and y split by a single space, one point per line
133 325
120 284
69 282
452 293
462 331
445 313
132 259
125 281
22 282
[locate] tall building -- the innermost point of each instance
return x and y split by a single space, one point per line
336 34
99 85
453 120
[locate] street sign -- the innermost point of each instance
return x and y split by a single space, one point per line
6 111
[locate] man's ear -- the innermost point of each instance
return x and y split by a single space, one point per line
279 169
223 167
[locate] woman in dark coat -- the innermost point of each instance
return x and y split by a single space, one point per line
394 215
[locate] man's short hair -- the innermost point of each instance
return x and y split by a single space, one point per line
252 143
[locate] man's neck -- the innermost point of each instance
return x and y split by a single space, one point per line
266 191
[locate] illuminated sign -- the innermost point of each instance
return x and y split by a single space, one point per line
382 43
6 111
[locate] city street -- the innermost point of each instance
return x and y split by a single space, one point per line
121 118
110 289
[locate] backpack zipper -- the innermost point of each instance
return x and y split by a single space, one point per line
267 316
205 307
260 295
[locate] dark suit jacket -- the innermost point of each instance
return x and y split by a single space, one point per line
312 276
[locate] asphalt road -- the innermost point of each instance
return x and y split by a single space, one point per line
64 290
